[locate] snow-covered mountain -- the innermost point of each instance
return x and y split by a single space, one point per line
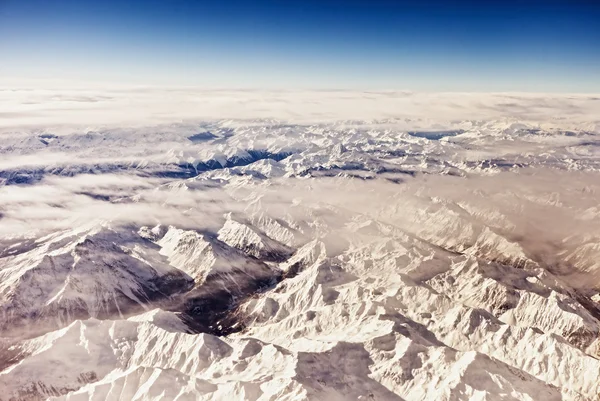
385 259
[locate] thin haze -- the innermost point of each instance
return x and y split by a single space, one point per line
542 46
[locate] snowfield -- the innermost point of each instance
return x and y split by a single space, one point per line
180 244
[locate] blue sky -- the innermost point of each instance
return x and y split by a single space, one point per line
418 45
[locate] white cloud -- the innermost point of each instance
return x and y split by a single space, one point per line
130 106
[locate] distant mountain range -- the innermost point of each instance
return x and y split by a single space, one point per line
260 260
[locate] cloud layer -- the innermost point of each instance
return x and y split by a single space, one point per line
144 106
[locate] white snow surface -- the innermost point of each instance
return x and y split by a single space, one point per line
306 246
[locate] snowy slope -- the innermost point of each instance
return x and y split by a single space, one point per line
101 272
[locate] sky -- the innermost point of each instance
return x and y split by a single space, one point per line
537 46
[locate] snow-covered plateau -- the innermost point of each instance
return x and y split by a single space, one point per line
265 246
